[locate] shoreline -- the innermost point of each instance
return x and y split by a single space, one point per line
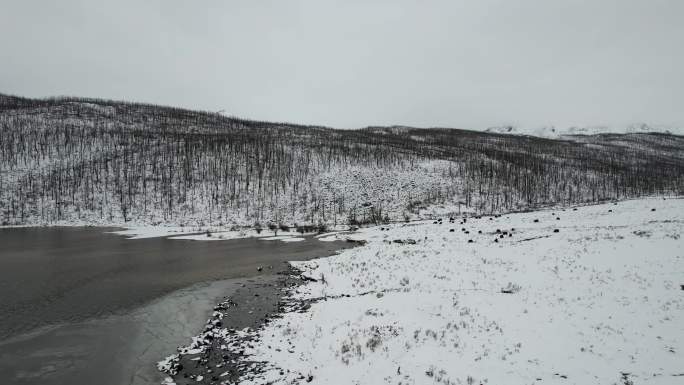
210 359
216 354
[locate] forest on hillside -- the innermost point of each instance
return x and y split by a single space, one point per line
90 161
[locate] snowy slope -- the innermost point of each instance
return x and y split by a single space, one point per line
598 302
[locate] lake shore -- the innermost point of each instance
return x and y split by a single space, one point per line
207 360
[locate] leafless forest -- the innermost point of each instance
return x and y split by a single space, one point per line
98 161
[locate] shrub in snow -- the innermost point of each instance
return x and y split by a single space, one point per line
511 288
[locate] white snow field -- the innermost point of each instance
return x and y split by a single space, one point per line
598 302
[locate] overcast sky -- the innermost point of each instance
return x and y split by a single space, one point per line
468 64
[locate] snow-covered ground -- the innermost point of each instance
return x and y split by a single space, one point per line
219 233
599 301
210 233
142 232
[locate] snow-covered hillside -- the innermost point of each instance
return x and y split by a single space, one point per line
586 296
99 162
552 132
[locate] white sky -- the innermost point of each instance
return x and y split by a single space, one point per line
468 64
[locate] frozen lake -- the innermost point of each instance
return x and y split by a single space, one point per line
79 305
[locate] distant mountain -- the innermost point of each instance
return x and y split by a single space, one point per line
91 161
555 132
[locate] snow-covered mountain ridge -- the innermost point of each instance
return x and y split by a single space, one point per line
558 132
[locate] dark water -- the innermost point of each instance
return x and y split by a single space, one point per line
79 292
57 275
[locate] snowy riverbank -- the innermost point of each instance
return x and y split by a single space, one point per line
597 301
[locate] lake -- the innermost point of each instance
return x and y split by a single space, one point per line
79 305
